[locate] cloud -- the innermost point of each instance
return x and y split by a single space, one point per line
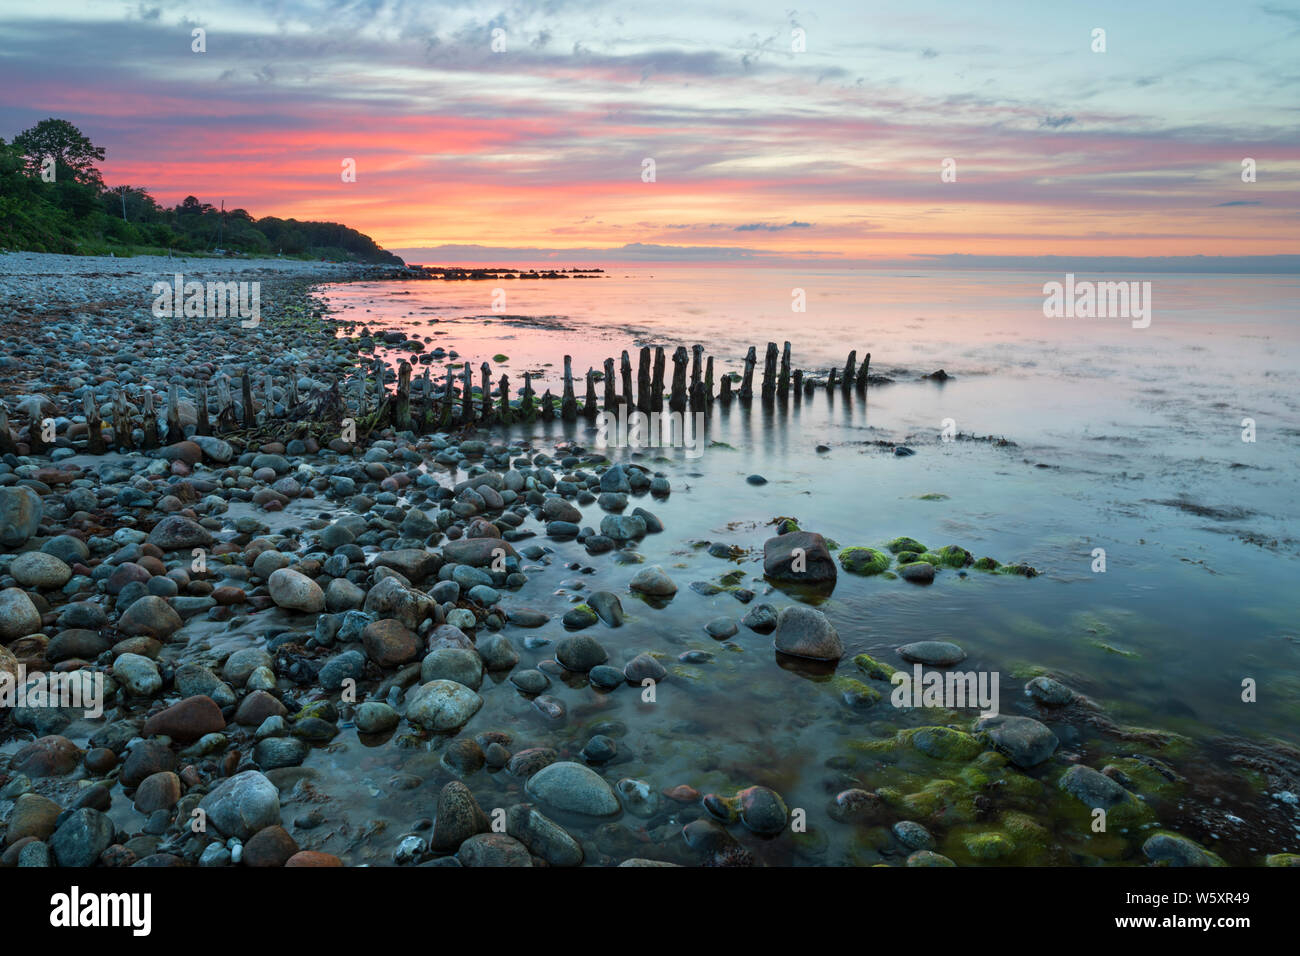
1239 202
766 227
1055 122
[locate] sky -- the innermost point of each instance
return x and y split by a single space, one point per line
776 133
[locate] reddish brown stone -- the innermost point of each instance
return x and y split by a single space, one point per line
256 707
187 720
313 858
270 846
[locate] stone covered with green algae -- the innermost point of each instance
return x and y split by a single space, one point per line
955 556
864 561
1173 849
855 693
873 668
986 564
1282 859
899 545
944 743
989 846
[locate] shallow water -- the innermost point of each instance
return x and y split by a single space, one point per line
1122 438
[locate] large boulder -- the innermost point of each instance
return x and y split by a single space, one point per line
806 632
18 615
294 591
178 533
442 705
20 515
476 552
799 557
241 805
390 598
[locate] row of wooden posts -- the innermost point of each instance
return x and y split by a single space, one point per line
691 389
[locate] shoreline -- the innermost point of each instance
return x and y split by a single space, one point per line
414 568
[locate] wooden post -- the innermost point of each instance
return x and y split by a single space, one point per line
485 371
611 389
783 379
724 395
625 368
697 378
708 379
864 372
747 383
402 407
830 380
526 403
268 388
797 383
808 386
506 415
426 401
151 420
590 406
677 400
657 383
643 380
94 429
467 394
250 416
35 440
225 405
849 370
291 389
769 372
7 444
568 404
201 424
174 432
548 406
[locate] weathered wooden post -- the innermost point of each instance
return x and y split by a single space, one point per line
174 432
526 403
677 400
611 396
864 372
94 429
708 379
625 369
426 400
201 424
657 386
830 380
797 384
467 394
568 404
589 405
122 434
225 405
783 379
402 404
724 395
747 382
151 419
291 389
268 388
486 384
506 414
548 406
643 380
697 378
250 414
769 373
849 370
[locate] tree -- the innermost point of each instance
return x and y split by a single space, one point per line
73 153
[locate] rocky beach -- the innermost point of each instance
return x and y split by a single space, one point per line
305 635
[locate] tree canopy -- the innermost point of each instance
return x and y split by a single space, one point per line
74 212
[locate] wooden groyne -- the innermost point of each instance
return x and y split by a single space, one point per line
363 402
